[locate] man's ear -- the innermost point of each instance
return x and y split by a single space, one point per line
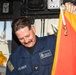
33 28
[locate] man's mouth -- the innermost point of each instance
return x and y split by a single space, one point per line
27 42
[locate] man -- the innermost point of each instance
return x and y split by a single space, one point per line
35 55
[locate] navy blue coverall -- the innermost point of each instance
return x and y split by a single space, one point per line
21 62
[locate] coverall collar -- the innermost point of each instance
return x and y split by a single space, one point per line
40 44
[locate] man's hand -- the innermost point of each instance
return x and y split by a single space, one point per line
70 7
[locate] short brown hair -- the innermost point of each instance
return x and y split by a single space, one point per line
20 23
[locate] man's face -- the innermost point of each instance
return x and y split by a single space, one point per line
26 37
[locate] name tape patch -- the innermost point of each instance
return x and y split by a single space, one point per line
22 67
45 54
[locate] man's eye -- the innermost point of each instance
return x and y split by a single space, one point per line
20 38
27 35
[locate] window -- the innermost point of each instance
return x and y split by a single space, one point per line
5 37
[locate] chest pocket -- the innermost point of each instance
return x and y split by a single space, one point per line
24 68
46 57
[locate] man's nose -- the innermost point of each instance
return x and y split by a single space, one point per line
25 40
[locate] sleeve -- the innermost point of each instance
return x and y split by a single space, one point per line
11 68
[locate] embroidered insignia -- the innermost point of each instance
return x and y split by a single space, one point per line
36 68
10 66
